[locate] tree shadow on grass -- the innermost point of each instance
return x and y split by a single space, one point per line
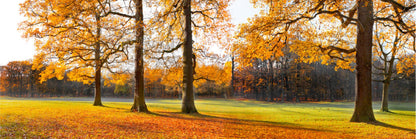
393 113
378 123
124 109
400 113
226 120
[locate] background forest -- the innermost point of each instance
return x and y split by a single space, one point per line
266 80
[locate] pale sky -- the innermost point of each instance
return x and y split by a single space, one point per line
13 47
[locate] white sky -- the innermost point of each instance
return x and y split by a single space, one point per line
13 47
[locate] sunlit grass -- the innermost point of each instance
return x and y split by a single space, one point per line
217 119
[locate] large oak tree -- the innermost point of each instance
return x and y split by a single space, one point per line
178 24
391 47
288 22
75 36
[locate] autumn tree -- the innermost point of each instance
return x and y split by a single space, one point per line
153 82
16 78
280 24
177 22
215 78
172 78
139 101
2 79
391 46
126 13
78 37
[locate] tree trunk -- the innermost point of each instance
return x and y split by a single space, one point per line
270 89
188 105
232 77
97 93
388 71
21 85
224 93
139 103
385 97
363 111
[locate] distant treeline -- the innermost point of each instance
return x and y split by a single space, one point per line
269 80
265 80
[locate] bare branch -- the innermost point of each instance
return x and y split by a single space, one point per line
399 6
121 14
203 78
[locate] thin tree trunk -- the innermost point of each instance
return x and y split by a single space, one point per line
188 105
388 70
385 96
271 80
232 77
97 93
139 103
21 84
363 111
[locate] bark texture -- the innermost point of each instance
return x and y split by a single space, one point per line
363 111
388 71
271 77
97 93
385 97
139 103
188 105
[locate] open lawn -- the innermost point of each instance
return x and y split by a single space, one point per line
217 119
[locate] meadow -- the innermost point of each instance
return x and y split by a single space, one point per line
218 118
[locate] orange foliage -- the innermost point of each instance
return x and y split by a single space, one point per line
212 73
314 35
75 38
16 76
173 78
107 122
63 119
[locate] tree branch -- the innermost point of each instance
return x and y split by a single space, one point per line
399 6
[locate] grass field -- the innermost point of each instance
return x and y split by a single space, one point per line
217 119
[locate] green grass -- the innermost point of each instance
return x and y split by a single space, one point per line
312 119
329 116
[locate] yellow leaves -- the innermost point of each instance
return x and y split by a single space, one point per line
261 38
53 70
219 75
117 79
152 75
173 77
84 75
391 43
406 64
266 35
66 33
38 61
310 52
220 119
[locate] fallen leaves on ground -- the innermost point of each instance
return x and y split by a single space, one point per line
56 119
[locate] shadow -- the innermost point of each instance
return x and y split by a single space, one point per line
295 112
378 123
226 120
105 106
400 113
238 104
395 113
329 105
